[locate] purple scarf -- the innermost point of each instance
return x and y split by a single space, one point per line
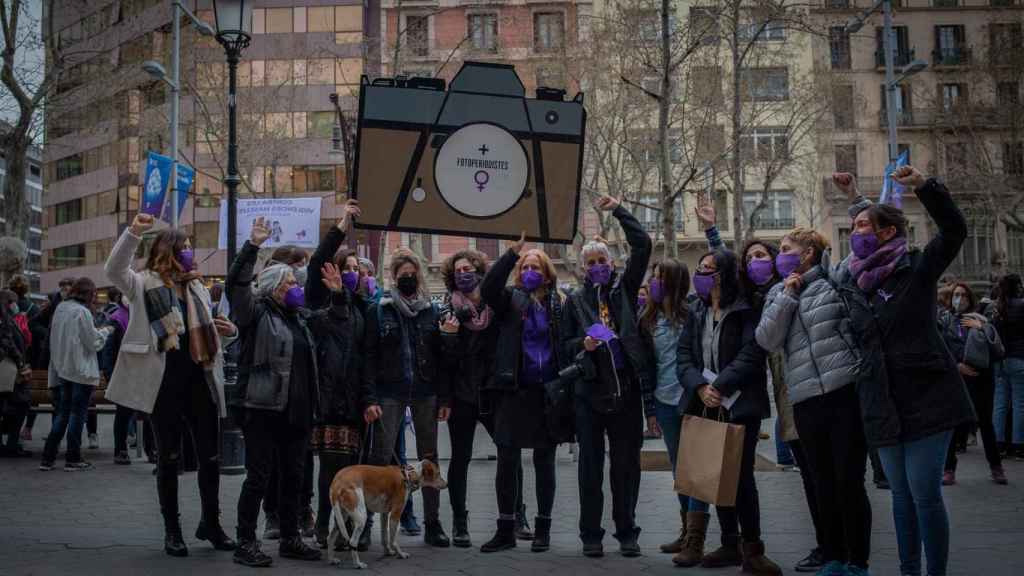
870 272
121 317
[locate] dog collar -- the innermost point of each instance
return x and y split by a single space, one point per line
410 484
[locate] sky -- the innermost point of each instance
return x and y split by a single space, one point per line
33 56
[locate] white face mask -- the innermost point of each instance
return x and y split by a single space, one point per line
957 301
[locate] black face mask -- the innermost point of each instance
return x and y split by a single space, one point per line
407 285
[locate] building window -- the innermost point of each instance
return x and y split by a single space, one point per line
843 243
839 47
488 246
945 3
706 85
952 96
777 213
704 26
279 20
1015 247
320 19
67 257
950 46
846 158
1008 94
548 31
772 31
1003 3
417 36
975 257
766 84
1004 43
1013 158
957 157
766 144
842 106
837 4
483 31
70 166
902 54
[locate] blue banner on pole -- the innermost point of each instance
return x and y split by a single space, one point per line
892 191
157 171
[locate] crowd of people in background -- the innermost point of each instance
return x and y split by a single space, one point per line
880 354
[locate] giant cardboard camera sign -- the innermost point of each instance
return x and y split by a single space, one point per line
480 159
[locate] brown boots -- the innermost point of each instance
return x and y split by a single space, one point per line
675 546
692 550
728 554
755 562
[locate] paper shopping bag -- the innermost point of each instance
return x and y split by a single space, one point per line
708 463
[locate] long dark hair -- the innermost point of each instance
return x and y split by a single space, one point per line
162 253
84 290
972 299
675 285
747 286
476 258
1009 288
729 286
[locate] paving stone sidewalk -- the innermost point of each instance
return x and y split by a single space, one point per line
106 521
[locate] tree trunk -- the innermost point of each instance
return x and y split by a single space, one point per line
671 248
736 162
15 205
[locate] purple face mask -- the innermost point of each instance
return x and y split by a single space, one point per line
466 282
786 264
350 280
600 274
703 284
371 285
531 279
640 302
863 244
760 271
656 291
185 258
295 297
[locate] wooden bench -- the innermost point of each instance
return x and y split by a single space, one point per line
41 401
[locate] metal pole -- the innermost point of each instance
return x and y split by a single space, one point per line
890 78
232 180
175 97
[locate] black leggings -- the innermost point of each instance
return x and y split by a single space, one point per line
461 431
810 492
330 464
122 417
510 460
747 512
181 405
982 391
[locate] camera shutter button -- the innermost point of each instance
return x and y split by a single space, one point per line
551 117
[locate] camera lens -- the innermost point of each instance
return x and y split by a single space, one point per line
551 117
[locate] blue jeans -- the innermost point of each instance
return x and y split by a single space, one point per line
914 470
70 410
671 424
1009 399
783 455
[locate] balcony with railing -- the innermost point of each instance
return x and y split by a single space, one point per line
769 223
903 118
900 58
870 186
951 57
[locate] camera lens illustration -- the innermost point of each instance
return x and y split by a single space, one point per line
482 170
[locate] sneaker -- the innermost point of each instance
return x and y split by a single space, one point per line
94 442
629 547
45 466
593 550
948 478
833 568
79 466
272 528
249 554
998 476
852 570
122 458
812 563
296 549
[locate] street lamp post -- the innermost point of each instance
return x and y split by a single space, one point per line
892 82
234 26
156 70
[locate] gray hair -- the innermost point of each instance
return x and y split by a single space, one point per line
594 246
368 264
270 278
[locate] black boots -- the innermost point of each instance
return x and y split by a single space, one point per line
460 531
542 537
523 531
174 544
504 538
433 535
296 549
212 531
249 554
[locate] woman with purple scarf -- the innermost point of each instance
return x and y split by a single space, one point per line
911 394
118 321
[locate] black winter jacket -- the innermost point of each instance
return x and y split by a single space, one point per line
582 311
468 360
909 384
387 332
742 362
1011 328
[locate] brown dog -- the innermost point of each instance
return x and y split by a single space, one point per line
357 490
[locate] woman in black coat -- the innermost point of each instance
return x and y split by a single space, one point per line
911 393
721 315
528 314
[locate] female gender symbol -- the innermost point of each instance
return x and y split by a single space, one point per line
480 183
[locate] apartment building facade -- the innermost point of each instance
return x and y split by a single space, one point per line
960 118
34 196
112 112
